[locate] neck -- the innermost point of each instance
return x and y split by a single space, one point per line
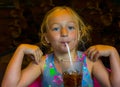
60 57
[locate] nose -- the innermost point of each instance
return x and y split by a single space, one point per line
64 32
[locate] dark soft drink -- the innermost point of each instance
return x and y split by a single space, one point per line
72 79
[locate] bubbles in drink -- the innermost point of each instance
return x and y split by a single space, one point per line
72 79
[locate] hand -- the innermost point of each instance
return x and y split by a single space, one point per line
94 52
32 50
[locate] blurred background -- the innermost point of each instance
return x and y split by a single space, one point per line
20 22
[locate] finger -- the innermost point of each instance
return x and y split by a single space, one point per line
90 51
40 55
37 55
92 55
31 56
97 55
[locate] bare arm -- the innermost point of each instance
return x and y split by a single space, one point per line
99 70
14 76
115 67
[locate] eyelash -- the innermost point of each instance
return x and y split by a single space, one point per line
55 29
71 27
58 28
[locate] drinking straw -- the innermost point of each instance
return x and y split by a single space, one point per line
69 54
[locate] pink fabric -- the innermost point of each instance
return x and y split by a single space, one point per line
36 83
96 84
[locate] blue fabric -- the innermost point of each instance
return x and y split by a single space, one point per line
52 78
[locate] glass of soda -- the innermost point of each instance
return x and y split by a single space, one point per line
71 73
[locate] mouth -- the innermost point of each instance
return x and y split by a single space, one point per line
64 43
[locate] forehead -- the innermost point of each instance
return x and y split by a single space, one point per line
61 14
58 12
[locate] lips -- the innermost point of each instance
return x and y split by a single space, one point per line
65 42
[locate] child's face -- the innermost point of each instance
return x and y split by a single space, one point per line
62 28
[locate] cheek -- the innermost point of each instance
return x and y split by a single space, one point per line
74 36
52 37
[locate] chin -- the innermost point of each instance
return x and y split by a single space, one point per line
63 50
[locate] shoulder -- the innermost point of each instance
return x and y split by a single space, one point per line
95 67
44 60
90 64
99 64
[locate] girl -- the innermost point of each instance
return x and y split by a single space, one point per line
62 25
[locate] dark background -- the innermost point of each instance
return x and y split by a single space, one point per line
20 21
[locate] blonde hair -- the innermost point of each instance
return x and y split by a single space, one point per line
83 29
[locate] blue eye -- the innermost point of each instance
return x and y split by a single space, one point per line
55 29
71 27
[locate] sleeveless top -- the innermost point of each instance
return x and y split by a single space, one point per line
52 78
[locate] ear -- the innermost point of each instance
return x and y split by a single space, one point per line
79 33
47 39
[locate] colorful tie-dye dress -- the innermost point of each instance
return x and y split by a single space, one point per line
52 78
